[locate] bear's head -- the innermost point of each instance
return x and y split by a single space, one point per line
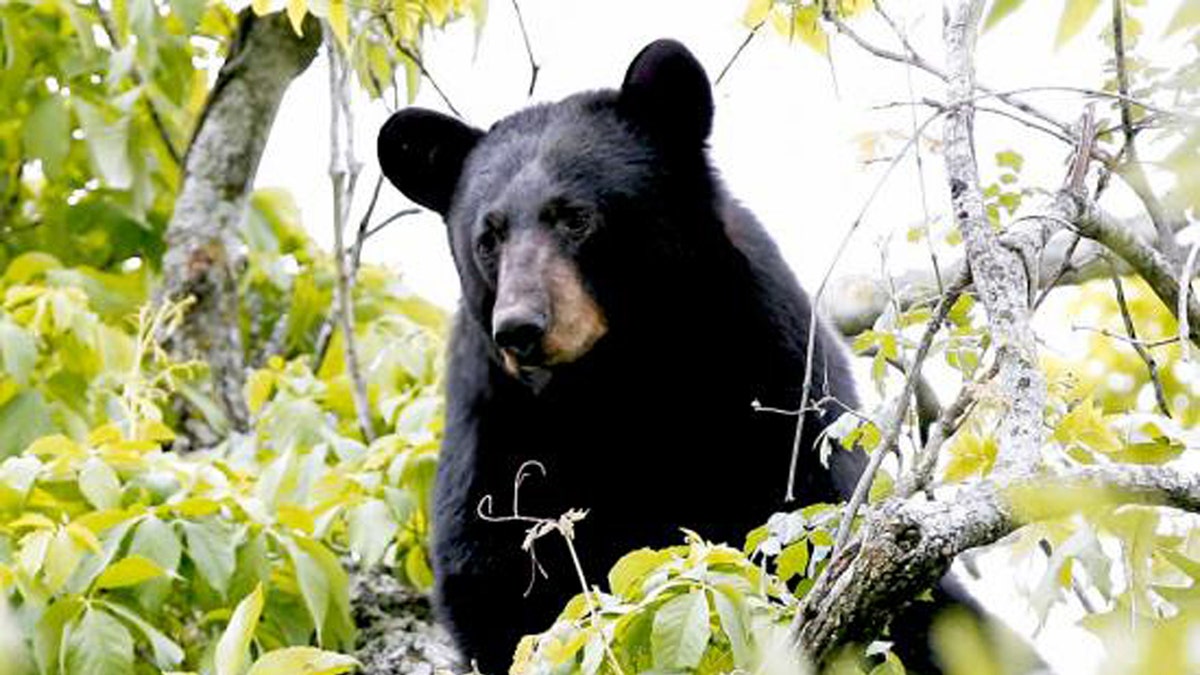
566 219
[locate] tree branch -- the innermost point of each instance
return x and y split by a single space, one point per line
343 172
906 546
203 256
1000 272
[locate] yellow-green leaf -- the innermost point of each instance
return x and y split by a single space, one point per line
296 10
306 660
970 455
129 571
339 21
233 649
999 10
1074 17
756 12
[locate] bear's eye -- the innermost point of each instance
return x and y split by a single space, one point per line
490 236
575 222
487 243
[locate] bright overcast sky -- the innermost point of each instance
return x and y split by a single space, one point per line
787 131
787 128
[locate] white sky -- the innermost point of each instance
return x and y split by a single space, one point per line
785 137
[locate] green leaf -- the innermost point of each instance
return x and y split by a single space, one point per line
1074 17
99 484
155 540
792 561
99 645
296 10
1085 426
19 350
626 576
24 418
128 571
167 654
307 660
212 546
189 12
233 649
999 10
371 530
107 138
62 556
47 636
47 133
731 611
681 632
970 455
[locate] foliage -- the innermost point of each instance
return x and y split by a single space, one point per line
112 547
694 608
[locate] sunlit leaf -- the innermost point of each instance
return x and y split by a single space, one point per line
233 648
681 631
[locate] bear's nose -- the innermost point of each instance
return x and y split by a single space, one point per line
521 335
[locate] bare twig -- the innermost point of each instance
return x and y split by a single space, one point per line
564 525
361 235
1147 261
534 67
1151 364
738 52
893 426
806 390
1185 288
416 58
946 426
1148 344
343 172
1131 170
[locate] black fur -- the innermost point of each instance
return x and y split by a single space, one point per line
653 429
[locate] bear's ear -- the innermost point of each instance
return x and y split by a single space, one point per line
667 92
422 153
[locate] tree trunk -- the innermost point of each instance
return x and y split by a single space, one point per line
204 257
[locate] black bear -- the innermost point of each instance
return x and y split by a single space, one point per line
620 314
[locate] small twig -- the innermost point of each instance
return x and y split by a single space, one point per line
1151 364
1131 170
1185 288
343 173
361 235
540 527
946 426
806 390
534 67
891 431
428 76
1148 344
738 52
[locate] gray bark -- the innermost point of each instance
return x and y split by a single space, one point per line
999 272
906 546
204 256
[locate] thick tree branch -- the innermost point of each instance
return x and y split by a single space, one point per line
999 271
203 256
906 546
1147 261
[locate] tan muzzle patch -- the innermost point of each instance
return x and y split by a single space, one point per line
537 279
576 321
